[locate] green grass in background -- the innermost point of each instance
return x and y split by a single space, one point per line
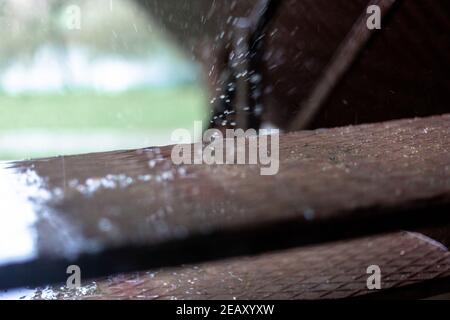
136 110
149 111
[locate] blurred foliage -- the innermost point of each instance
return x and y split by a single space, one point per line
121 28
21 33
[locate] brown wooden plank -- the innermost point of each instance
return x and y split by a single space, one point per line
332 184
411 265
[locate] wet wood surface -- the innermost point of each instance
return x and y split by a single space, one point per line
135 210
412 267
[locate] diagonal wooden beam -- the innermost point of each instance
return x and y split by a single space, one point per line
346 55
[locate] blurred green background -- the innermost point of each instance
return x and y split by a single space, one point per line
116 83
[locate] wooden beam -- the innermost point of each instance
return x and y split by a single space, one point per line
134 210
412 267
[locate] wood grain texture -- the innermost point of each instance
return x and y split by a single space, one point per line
333 184
412 266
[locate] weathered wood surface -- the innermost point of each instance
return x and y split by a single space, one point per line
124 211
412 266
